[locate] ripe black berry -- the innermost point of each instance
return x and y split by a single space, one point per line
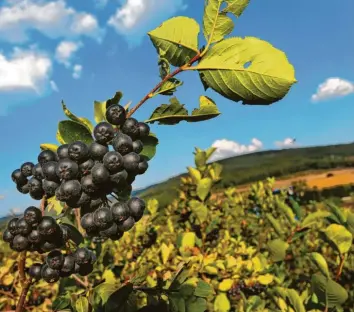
35 237
82 256
78 202
18 177
113 161
49 275
24 189
7 236
115 114
143 166
103 132
49 171
131 162
67 169
63 151
120 211
119 178
12 226
100 174
46 156
85 269
70 190
68 264
34 185
137 146
35 271
48 246
122 144
144 129
32 215
55 259
136 207
23 227
86 166
37 172
131 177
26 169
78 151
111 231
88 186
19 243
102 218
131 128
97 150
37 194
48 226
49 187
87 222
126 225
117 236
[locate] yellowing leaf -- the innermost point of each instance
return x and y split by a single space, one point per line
230 262
109 277
340 236
216 23
188 240
222 303
166 252
54 204
226 284
99 111
8 279
265 279
152 206
59 138
49 146
211 270
203 188
176 40
266 80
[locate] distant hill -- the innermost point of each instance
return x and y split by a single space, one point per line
256 166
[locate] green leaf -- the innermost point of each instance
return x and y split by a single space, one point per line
150 142
171 114
277 249
200 159
275 224
286 210
195 174
104 291
350 222
177 303
114 100
328 292
84 121
203 188
254 303
180 276
340 237
74 233
196 304
222 303
176 40
203 289
295 300
82 305
337 212
119 299
169 87
216 23
314 218
72 131
99 111
320 262
295 207
267 80
60 303
199 209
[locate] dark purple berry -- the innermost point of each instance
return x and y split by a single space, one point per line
103 132
18 177
32 215
67 169
78 151
144 129
131 162
49 171
122 144
131 128
26 169
115 114
63 151
46 156
49 275
97 150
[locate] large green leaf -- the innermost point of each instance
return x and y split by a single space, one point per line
196 304
171 114
295 300
150 142
328 292
267 79
82 120
199 209
350 222
71 131
286 210
203 188
118 300
275 224
337 212
314 218
216 23
176 40
203 289
61 302
82 305
320 262
169 87
277 249
340 237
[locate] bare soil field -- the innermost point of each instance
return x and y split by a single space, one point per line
320 179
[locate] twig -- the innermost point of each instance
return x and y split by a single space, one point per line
43 204
7 294
21 267
340 267
80 281
21 302
78 219
169 76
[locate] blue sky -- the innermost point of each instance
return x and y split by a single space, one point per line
81 51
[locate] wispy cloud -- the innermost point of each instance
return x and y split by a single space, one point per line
333 88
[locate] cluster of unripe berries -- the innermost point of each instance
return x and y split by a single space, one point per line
34 232
82 175
58 265
112 221
248 290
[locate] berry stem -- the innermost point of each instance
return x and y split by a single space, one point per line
340 267
78 220
21 267
21 302
169 76
43 204
7 294
84 284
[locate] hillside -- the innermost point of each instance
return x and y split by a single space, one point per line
248 168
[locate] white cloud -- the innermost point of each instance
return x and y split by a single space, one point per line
136 17
24 70
54 86
333 88
66 50
53 19
227 148
77 70
286 143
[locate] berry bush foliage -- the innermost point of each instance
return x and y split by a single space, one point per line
90 245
